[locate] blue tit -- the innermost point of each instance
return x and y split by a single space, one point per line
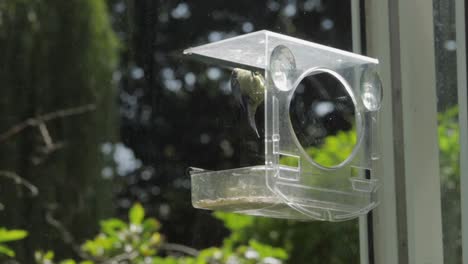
248 88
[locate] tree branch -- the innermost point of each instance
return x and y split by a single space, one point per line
21 181
121 258
41 119
46 135
180 248
66 235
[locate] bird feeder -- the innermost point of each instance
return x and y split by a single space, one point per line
292 183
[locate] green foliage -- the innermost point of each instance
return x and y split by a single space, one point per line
139 241
303 242
267 251
48 258
253 253
234 222
9 236
335 149
136 215
139 238
449 161
449 147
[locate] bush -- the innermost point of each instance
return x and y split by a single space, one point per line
138 241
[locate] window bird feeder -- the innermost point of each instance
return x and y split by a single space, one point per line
292 183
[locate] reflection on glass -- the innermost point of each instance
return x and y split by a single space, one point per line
323 117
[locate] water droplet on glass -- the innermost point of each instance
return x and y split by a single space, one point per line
282 67
371 90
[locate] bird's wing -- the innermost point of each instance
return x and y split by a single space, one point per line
251 116
236 89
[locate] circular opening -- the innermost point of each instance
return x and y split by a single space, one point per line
323 116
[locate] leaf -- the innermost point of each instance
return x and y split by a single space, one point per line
112 226
6 251
12 235
213 254
155 239
268 251
86 262
49 255
234 221
151 225
101 245
146 250
136 214
68 261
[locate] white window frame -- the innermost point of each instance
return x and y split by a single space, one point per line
407 225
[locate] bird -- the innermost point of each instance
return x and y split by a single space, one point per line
248 89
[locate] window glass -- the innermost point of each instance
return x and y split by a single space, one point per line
445 38
101 115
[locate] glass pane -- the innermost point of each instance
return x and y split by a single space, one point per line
449 145
101 113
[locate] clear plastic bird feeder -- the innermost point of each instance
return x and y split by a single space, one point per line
297 181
